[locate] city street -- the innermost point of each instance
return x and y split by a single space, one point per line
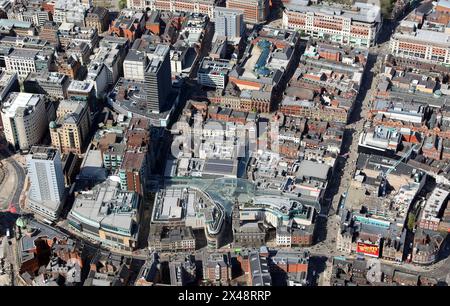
117 166
12 186
345 168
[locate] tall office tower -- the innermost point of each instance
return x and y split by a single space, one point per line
255 11
158 79
46 193
229 22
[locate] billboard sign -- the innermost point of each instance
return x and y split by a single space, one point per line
368 249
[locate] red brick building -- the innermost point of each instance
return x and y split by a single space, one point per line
129 26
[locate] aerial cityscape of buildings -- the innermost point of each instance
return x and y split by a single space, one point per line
224 143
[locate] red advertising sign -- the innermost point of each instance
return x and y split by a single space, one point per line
368 249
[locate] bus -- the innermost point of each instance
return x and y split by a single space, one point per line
46 221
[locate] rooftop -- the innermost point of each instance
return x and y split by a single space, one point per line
157 57
80 86
363 12
426 37
434 204
313 169
24 53
215 66
21 100
40 230
10 23
43 153
133 161
49 77
108 207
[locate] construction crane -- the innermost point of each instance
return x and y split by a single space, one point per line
384 174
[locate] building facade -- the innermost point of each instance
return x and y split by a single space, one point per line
229 22
422 45
8 83
358 26
24 118
53 84
171 239
132 172
97 17
255 11
24 61
217 268
191 6
108 215
71 129
158 79
214 72
46 195
134 65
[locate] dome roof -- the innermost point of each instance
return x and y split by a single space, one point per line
52 124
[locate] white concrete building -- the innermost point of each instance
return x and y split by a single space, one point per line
422 45
436 203
21 61
24 118
134 65
190 6
357 26
46 193
214 72
97 73
69 11
110 58
229 22
36 16
177 60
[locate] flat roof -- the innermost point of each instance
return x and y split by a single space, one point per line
51 77
433 206
313 169
136 56
24 53
426 37
93 159
19 100
43 153
220 167
14 23
367 12
80 86
133 161
106 205
42 230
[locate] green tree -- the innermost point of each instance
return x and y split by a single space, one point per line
411 221
386 7
122 4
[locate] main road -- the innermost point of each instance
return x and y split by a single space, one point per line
19 172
